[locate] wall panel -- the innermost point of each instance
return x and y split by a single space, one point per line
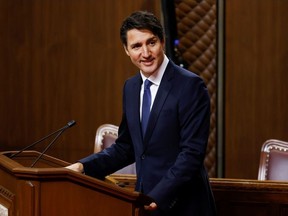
62 60
256 90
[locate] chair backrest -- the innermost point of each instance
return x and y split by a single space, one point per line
106 135
273 160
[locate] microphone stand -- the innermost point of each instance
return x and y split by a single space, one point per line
59 131
47 147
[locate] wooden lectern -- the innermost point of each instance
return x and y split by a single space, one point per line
49 189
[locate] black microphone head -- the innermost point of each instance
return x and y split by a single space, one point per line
71 123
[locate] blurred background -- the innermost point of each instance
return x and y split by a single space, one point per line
63 60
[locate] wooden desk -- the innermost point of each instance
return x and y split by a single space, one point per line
49 189
240 197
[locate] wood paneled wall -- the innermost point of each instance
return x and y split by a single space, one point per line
62 60
256 90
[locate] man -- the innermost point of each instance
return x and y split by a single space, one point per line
170 148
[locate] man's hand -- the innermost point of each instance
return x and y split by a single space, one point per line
78 167
151 207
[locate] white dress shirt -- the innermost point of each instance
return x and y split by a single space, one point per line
155 78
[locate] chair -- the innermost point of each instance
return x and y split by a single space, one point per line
106 134
273 160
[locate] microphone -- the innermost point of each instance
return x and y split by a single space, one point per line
59 131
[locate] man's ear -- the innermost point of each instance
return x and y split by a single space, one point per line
126 50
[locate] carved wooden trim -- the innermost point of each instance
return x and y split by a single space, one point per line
6 199
6 193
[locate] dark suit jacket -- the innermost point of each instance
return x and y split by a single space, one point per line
169 159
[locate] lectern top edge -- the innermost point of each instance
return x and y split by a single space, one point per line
52 169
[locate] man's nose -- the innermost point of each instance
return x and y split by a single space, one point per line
145 51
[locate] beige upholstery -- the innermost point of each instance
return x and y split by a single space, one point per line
274 160
106 134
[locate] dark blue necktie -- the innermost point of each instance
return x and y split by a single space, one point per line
146 103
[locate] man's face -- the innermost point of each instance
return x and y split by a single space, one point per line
145 50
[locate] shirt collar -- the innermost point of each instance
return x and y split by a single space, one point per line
155 78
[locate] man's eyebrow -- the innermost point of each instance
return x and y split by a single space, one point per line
152 38
148 41
135 44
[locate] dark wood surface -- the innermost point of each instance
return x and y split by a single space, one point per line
62 60
250 197
50 189
256 89
240 197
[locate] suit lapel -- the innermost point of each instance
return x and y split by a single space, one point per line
133 107
161 96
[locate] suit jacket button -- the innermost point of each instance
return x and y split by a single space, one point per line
143 157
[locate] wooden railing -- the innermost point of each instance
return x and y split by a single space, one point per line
235 197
